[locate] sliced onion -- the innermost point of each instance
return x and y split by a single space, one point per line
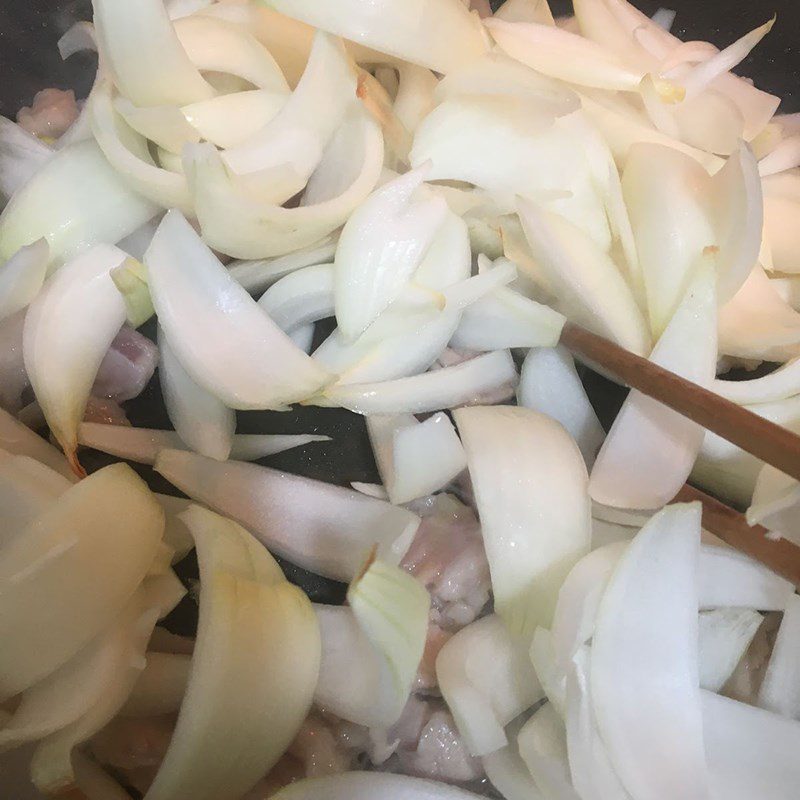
200 419
68 329
450 387
415 95
780 689
487 680
778 385
415 458
524 467
21 155
779 229
650 450
160 687
644 673
75 200
508 773
725 635
589 285
776 498
549 384
255 276
408 31
127 152
751 753
382 244
149 65
72 572
525 11
236 223
732 579
323 528
20 440
164 125
22 276
303 296
222 338
448 259
236 720
549 673
785 156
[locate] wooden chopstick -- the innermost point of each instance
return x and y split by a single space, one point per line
780 555
764 439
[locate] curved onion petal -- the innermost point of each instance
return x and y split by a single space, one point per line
729 472
107 680
68 329
201 420
222 338
304 295
725 635
256 276
236 720
381 245
751 752
22 276
415 95
785 156
644 667
552 678
780 212
160 687
729 579
390 610
490 374
563 55
127 152
73 571
589 286
779 691
323 528
508 773
778 385
411 31
776 499
530 486
650 450
19 439
549 384
415 458
448 258
75 200
486 679
236 223
218 46
164 125
21 155
148 63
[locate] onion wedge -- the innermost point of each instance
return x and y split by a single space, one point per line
253 673
323 528
644 673
68 330
524 467
226 343
72 572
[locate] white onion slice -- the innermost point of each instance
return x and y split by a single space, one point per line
149 65
784 157
68 329
20 440
22 276
164 125
776 498
549 384
200 419
21 155
256 276
72 571
236 223
301 297
415 458
725 635
382 244
234 724
410 31
127 152
650 450
369 785
508 773
530 486
588 283
220 335
160 686
732 579
550 675
751 752
444 388
780 689
644 672
778 385
323 528
487 680
75 200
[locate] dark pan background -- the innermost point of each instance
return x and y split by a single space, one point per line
29 61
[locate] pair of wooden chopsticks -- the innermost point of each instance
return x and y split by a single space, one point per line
760 437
